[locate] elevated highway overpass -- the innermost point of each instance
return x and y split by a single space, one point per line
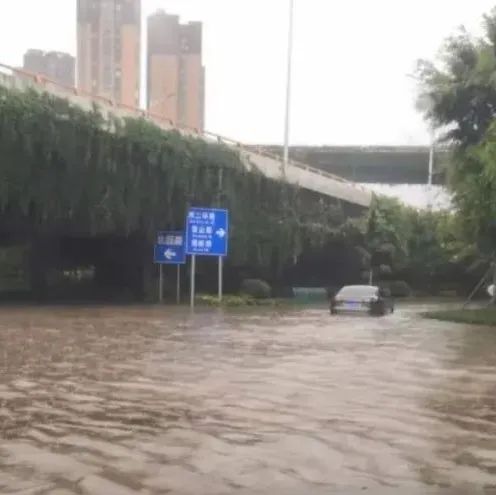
373 164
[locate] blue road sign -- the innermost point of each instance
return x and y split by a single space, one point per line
207 232
169 249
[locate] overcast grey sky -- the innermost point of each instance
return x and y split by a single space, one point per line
351 66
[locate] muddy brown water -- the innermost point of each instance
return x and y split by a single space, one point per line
105 401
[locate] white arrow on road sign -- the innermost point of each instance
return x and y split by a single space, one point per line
169 254
221 233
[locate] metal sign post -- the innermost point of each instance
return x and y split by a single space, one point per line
493 298
178 285
160 283
221 267
192 282
220 260
169 250
207 234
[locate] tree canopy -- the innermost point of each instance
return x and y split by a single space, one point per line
458 91
458 96
416 245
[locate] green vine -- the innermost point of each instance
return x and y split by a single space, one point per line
66 171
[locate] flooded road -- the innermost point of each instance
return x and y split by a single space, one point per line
153 401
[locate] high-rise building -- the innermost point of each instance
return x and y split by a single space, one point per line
109 34
176 76
56 66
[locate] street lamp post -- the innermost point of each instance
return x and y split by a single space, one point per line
288 87
425 104
431 170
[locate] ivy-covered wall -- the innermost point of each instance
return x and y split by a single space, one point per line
69 173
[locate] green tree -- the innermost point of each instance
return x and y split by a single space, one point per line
460 91
419 246
388 231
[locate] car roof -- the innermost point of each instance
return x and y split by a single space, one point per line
374 287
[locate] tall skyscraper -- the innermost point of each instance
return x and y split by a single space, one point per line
176 76
56 66
109 49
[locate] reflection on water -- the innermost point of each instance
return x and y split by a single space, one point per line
152 401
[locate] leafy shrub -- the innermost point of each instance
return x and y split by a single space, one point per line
256 288
399 288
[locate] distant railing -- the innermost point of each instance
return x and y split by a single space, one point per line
45 82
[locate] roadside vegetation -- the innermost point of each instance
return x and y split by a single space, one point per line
486 316
237 301
458 97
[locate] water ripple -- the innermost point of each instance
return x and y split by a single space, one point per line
155 401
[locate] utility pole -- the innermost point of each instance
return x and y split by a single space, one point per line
493 299
220 277
288 88
431 170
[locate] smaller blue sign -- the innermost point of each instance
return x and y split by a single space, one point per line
169 249
207 232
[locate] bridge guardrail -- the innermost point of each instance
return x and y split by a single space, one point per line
46 83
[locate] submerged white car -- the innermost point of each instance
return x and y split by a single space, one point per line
362 298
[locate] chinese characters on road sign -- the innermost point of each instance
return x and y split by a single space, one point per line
170 239
207 232
169 249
